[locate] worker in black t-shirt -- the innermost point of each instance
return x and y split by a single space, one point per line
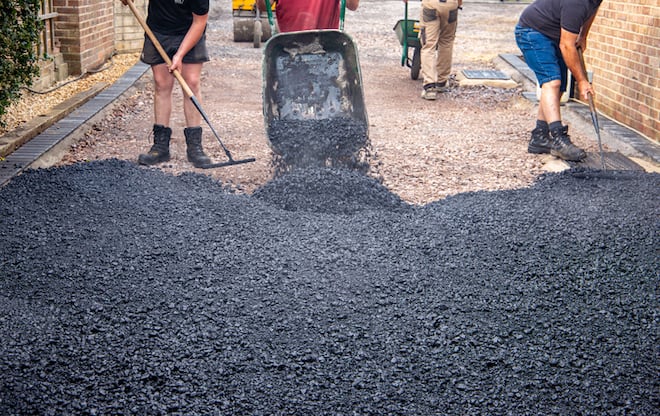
549 34
180 28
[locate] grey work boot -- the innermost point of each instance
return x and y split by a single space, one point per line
540 141
562 147
195 151
429 92
160 151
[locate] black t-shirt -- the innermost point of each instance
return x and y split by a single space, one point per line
550 16
174 17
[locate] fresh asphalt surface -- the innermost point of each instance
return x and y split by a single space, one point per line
124 290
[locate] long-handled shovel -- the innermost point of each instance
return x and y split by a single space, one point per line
592 109
187 91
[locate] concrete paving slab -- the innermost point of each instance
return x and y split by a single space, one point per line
496 82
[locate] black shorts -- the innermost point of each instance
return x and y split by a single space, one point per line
170 44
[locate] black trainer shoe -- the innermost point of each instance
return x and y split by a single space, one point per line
562 147
442 87
540 142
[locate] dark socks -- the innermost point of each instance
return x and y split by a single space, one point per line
555 125
542 125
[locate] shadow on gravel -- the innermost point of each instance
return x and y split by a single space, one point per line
126 290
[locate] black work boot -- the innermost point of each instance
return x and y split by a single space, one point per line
540 141
562 147
160 151
195 151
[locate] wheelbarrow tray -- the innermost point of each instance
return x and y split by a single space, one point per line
411 31
310 79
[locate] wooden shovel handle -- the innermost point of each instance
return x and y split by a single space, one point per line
583 66
159 48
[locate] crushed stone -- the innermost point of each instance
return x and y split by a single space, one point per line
126 290
334 142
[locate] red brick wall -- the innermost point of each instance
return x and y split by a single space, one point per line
623 51
85 31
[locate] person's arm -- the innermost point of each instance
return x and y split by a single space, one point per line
568 46
584 32
261 5
352 4
193 36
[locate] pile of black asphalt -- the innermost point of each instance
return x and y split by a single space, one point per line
125 290
338 142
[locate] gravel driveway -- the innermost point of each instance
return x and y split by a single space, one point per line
470 139
453 279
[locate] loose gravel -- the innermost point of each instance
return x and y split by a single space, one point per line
334 142
126 290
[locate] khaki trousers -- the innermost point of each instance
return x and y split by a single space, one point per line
438 23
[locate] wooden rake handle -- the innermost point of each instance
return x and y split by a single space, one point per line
592 109
159 48
583 67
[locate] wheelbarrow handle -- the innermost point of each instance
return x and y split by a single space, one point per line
271 19
342 15
184 85
404 57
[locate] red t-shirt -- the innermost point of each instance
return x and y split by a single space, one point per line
294 15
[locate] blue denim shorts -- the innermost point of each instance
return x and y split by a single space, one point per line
542 55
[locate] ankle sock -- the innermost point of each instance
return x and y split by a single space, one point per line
542 125
555 125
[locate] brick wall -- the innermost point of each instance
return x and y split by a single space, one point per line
129 35
85 31
52 68
623 51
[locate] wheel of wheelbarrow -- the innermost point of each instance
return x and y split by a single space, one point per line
416 64
256 42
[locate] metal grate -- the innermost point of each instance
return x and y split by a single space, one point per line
484 74
19 160
613 161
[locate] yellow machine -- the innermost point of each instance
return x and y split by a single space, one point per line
249 25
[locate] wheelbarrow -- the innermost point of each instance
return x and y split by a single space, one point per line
313 101
407 31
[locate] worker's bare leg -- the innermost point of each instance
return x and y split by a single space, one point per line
191 74
549 111
163 84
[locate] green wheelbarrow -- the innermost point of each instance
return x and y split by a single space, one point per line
313 100
407 30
